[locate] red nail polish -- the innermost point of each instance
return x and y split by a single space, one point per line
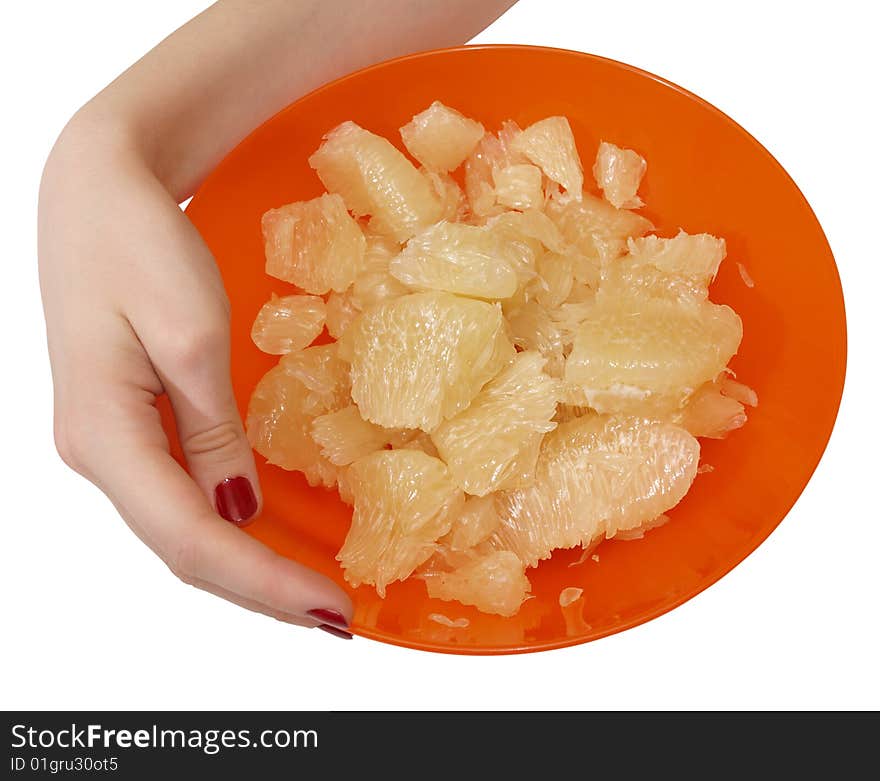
332 617
235 500
334 631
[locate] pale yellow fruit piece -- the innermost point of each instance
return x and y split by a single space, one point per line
597 475
374 177
507 134
494 583
531 328
519 187
287 324
533 226
375 283
474 524
493 153
625 278
344 436
581 293
594 227
279 419
421 358
737 390
716 408
453 203
569 317
380 250
555 279
404 501
694 258
619 172
341 310
440 138
521 470
315 245
479 184
481 443
549 144
374 287
416 440
639 532
709 413
525 236
323 372
458 258
641 346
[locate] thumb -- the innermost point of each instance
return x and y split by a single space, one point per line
218 455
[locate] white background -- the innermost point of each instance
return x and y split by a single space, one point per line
91 619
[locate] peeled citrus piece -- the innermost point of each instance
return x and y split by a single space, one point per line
716 408
420 358
533 226
374 177
694 258
481 443
380 249
458 258
709 413
595 228
638 533
555 279
596 475
344 436
324 374
532 328
619 172
519 187
315 245
640 347
287 324
492 154
625 278
474 524
374 287
453 204
279 419
419 441
494 583
549 144
404 501
737 390
341 310
440 138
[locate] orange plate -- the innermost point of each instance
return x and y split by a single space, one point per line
705 173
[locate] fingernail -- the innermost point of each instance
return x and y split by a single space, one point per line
235 500
334 631
332 617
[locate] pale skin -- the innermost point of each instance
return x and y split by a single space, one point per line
134 303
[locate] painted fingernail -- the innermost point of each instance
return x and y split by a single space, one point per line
334 631
332 617
236 500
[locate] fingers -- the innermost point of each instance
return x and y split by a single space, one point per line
112 434
157 497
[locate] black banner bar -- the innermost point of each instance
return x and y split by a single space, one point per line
398 745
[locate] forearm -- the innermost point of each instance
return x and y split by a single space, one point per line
185 104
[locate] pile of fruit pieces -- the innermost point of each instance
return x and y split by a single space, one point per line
518 365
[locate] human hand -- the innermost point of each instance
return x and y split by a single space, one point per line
134 303
135 307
